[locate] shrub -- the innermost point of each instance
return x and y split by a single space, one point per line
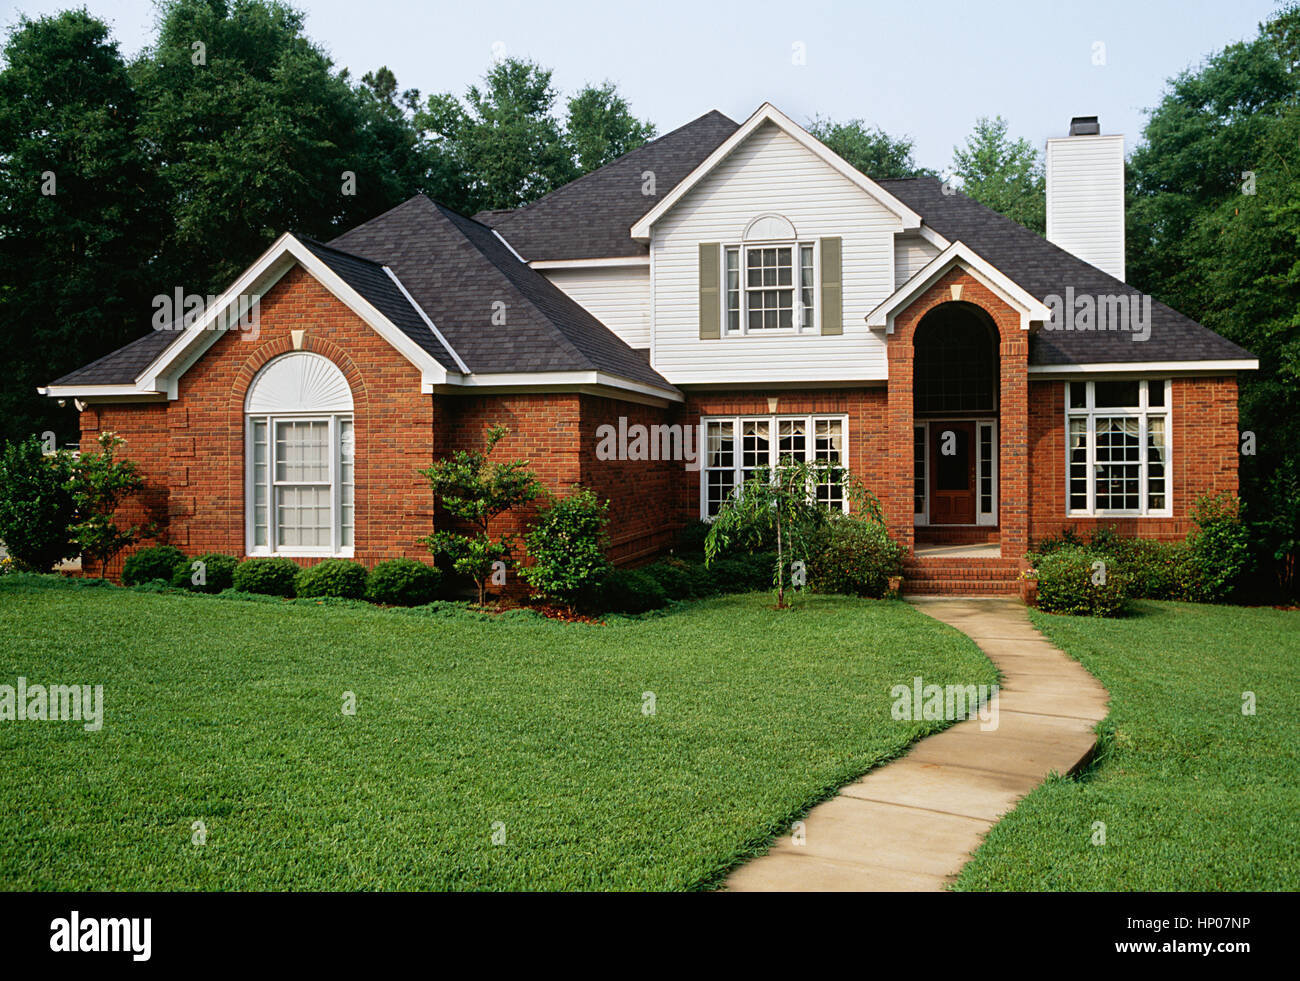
566 545
215 575
1081 582
148 564
690 540
856 557
1069 538
627 591
1219 545
100 483
680 579
341 578
744 573
1155 570
271 577
37 506
402 582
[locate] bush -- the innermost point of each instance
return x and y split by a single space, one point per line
626 591
855 557
690 540
270 577
1220 547
148 564
1071 581
566 545
742 573
680 579
341 578
218 573
402 582
1155 570
37 506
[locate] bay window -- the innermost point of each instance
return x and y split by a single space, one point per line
1117 447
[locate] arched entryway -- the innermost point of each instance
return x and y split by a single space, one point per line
955 388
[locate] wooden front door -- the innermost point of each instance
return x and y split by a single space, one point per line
952 470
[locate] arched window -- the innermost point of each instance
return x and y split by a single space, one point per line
300 458
770 279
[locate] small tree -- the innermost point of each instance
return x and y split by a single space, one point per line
783 503
474 491
100 482
37 507
567 546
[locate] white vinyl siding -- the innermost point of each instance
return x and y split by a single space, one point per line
911 254
771 174
1085 199
619 297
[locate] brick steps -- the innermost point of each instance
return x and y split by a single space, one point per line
956 576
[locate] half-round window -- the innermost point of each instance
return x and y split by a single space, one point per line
301 458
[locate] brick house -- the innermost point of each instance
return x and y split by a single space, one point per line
741 288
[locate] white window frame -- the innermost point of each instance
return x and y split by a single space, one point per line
335 549
742 250
773 420
982 518
1143 412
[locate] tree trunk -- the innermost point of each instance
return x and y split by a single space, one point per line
780 568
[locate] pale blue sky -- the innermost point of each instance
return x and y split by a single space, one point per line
923 69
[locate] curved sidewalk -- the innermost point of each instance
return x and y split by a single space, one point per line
913 823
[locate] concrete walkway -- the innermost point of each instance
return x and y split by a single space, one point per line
912 824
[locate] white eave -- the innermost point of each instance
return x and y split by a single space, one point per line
768 113
959 254
1204 367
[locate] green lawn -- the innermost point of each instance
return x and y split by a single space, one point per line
1194 795
230 713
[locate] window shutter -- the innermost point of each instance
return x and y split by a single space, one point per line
832 295
710 300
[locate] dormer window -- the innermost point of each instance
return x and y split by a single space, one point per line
770 280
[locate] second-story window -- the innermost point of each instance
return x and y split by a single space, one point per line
770 288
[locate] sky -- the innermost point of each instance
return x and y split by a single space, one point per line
926 70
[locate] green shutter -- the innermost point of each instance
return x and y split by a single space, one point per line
832 292
710 301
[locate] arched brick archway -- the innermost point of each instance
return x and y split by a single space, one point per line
958 286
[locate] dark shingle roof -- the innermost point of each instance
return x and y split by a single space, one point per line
591 217
121 367
369 279
464 277
1044 269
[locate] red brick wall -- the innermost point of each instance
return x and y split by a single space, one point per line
1203 455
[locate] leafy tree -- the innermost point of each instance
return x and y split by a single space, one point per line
100 483
37 507
1003 174
566 545
474 491
869 149
504 138
78 211
601 128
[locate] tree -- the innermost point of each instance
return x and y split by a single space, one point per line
780 503
601 128
37 507
79 211
474 492
100 483
1003 174
870 150
504 138
566 545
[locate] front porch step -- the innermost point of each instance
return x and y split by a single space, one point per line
957 535
956 576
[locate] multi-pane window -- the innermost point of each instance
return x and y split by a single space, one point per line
735 447
1117 447
302 483
769 288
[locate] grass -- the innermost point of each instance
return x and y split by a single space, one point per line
1194 795
230 713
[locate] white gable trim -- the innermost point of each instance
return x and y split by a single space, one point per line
1145 367
768 113
959 254
429 323
162 375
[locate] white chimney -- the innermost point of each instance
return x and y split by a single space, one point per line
1085 195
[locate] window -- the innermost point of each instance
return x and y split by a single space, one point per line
301 459
1117 447
736 447
770 288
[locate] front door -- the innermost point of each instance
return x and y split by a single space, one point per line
952 461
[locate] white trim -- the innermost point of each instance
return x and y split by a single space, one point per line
1161 367
425 317
509 246
959 253
928 234
562 379
921 519
1143 412
641 261
768 113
